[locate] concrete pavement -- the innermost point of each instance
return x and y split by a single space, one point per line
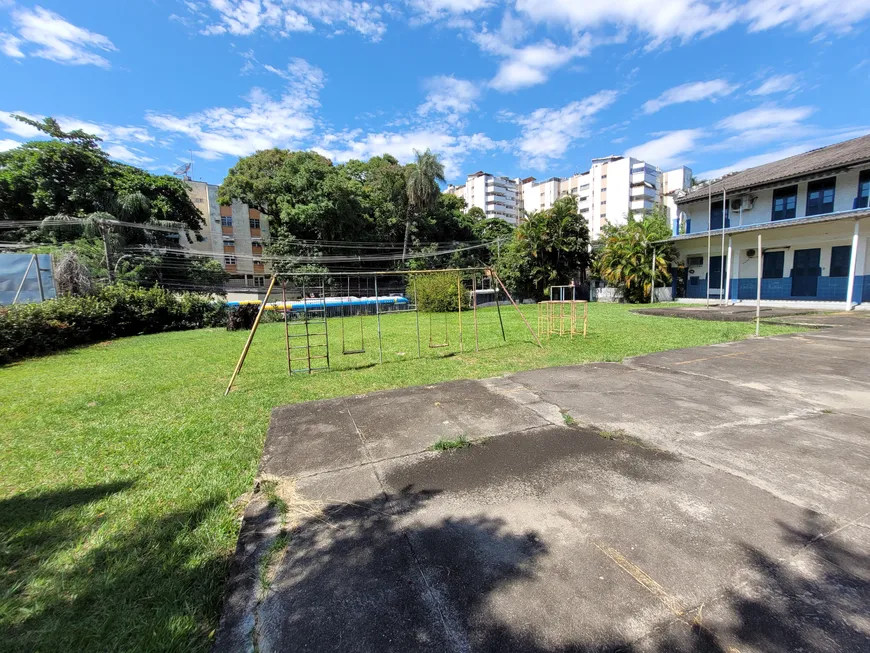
709 499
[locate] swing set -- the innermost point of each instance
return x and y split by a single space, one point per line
306 319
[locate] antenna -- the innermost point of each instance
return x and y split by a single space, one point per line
183 169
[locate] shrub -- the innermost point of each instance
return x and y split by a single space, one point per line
113 312
242 317
436 293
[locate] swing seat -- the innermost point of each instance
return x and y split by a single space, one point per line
348 352
436 346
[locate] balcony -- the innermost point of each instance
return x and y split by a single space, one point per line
649 178
229 249
227 230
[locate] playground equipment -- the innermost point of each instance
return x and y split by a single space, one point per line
553 313
306 320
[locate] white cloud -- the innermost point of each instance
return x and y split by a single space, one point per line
450 96
664 20
765 116
244 17
10 45
55 39
669 148
109 133
8 144
691 92
548 133
429 10
125 154
263 123
776 84
453 149
532 64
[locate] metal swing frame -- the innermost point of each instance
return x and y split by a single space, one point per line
362 339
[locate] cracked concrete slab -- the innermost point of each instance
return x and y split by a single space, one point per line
710 499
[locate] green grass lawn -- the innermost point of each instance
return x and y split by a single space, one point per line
120 462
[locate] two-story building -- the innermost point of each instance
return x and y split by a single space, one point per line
799 225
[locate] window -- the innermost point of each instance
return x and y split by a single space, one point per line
257 243
229 243
772 265
820 196
840 258
229 260
604 176
255 223
586 186
695 261
863 189
259 282
226 220
258 262
603 202
784 203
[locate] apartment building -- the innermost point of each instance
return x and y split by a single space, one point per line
497 196
613 186
233 235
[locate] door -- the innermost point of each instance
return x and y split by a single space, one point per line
805 272
715 281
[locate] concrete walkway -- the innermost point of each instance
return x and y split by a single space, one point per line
705 499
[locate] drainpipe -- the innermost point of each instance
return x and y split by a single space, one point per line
853 263
709 231
722 249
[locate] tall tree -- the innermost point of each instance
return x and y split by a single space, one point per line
549 248
626 259
423 190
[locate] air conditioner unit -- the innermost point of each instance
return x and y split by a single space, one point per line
742 203
750 253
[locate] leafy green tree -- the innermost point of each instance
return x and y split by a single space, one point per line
626 259
476 214
423 191
550 247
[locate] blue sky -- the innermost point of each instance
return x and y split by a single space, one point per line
522 88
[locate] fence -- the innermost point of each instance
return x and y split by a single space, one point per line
26 278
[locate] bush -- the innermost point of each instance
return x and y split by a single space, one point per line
436 293
113 312
242 317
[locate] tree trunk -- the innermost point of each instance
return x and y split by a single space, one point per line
407 236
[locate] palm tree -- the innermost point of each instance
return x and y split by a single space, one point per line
422 188
626 262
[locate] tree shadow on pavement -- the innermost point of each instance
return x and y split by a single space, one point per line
387 575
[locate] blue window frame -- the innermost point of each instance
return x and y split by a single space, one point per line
840 257
716 216
863 190
773 264
784 203
820 196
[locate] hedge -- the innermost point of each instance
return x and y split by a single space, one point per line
115 311
436 292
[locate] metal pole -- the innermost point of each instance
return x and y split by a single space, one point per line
853 263
722 250
728 276
106 250
417 315
652 292
459 297
758 291
286 325
378 313
709 229
474 309
39 278
24 278
498 310
523 317
251 336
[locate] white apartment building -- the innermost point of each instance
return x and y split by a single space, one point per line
233 235
613 186
497 196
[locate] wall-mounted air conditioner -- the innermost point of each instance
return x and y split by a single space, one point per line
742 204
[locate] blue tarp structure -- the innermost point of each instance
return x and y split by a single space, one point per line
13 268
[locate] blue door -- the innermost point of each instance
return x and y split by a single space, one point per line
805 272
715 280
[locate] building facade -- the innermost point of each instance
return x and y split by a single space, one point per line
497 196
611 188
233 235
799 225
